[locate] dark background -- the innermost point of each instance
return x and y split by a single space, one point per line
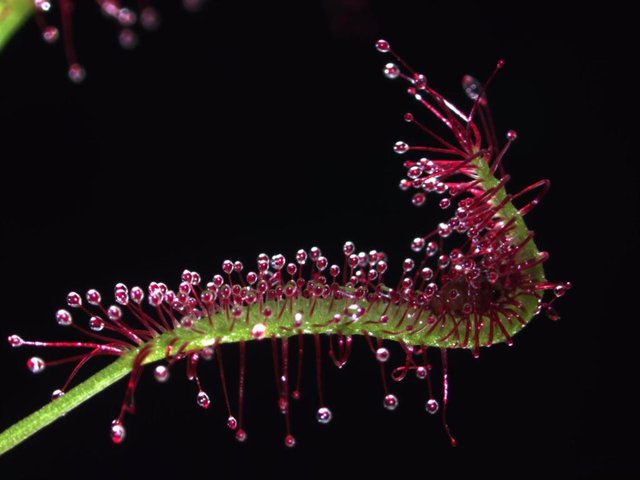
268 126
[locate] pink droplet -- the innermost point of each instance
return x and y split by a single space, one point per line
400 147
390 402
290 441
50 34
93 297
118 432
76 73
57 394
391 71
232 423
432 406
241 435
383 46
161 373
74 300
324 415
382 354
36 364
203 400
63 318
15 341
258 331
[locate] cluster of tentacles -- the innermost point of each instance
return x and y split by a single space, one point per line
476 294
125 18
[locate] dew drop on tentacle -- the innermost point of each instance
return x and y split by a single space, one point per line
15 341
400 147
324 415
390 402
383 46
290 441
93 297
258 331
203 399
161 373
74 300
207 353
57 394
418 199
382 354
391 71
241 435
50 34
96 324
232 423
432 406
36 365
561 289
64 318
473 88
42 5
76 73
118 432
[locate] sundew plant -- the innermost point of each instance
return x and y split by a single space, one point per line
472 278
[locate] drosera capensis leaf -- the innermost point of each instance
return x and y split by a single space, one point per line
478 280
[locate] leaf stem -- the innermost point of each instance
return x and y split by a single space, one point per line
13 13
55 409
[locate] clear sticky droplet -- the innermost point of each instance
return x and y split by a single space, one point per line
444 230
161 373
418 199
390 402
74 300
93 297
57 394
472 87
77 73
114 313
258 331
432 406
42 5
400 147
283 404
50 34
421 373
324 415
241 435
203 400
64 318
15 341
118 432
36 364
290 441
383 46
382 354
391 71
96 324
232 423
207 353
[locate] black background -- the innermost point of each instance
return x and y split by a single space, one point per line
268 127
